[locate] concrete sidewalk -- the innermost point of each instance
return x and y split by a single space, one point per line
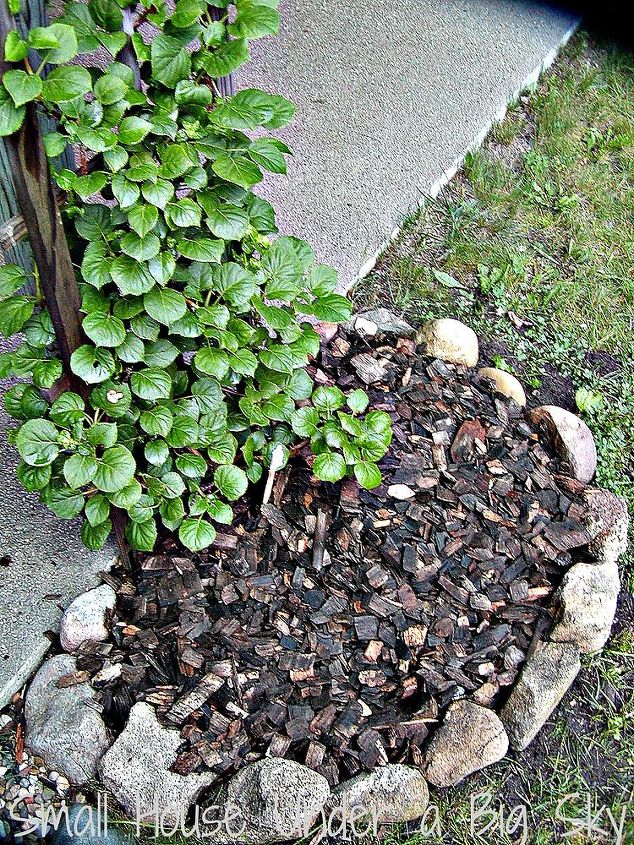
43 566
389 98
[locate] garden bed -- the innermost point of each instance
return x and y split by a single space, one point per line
543 287
334 626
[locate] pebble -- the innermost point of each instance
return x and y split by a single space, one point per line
505 383
571 438
400 491
365 328
24 790
451 341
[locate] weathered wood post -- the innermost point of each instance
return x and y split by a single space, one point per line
35 194
32 13
226 84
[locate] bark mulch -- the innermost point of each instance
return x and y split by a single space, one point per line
335 625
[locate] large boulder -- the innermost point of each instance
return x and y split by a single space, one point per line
547 674
274 800
87 618
470 738
390 794
137 769
571 439
450 340
504 383
585 605
63 722
607 523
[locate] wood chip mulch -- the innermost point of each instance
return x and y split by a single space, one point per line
335 625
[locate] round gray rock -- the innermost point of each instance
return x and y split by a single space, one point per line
571 438
547 674
585 605
470 738
276 799
607 523
63 724
136 770
392 793
450 340
87 618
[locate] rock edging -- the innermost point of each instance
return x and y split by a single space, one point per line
63 721
136 768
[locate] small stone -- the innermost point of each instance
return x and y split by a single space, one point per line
470 738
505 383
62 784
586 604
390 794
400 491
547 674
136 770
365 328
63 724
387 322
276 800
607 523
87 618
571 438
450 340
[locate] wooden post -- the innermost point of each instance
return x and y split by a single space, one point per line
127 55
35 194
32 13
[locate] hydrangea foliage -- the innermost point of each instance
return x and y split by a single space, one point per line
197 319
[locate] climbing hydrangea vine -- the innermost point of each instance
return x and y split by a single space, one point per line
196 320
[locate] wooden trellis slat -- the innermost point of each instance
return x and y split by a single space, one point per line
14 246
36 199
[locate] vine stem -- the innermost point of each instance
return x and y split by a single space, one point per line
225 84
127 55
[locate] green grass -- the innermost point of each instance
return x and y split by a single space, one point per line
532 245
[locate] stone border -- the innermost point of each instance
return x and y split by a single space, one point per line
277 799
